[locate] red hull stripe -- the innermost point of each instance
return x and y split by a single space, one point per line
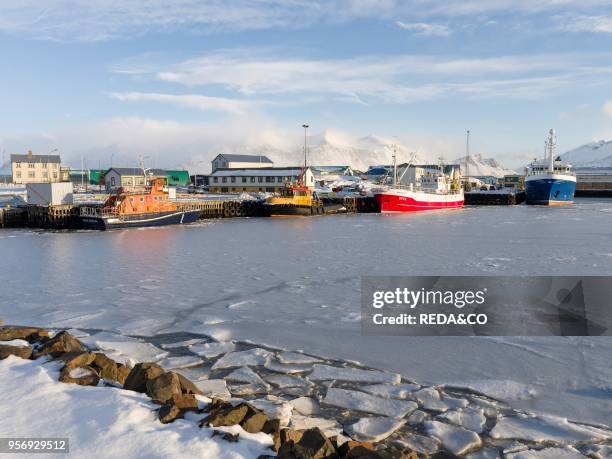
394 203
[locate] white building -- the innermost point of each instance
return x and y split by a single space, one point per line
126 177
260 179
228 161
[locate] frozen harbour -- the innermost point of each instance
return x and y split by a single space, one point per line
295 284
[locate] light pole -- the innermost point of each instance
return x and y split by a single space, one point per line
467 160
305 126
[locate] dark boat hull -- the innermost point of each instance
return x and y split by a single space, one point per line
141 220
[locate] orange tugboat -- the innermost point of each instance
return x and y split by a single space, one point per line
150 207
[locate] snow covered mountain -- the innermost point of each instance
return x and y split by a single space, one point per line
593 154
479 166
327 149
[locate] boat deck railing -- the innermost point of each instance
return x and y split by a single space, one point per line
419 189
88 211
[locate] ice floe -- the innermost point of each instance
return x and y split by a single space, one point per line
373 429
253 357
328 373
360 401
420 443
16 343
400 391
129 350
242 390
471 419
213 388
306 406
284 381
211 350
287 368
296 357
183 361
546 428
417 417
244 375
455 439
185 343
485 453
274 409
329 427
547 453
430 399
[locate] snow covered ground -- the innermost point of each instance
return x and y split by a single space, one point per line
295 284
103 422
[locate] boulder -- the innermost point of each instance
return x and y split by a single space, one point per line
272 426
353 449
77 359
30 334
187 387
122 373
254 421
108 369
81 376
225 415
162 388
25 352
312 445
176 407
60 344
232 438
140 375
168 413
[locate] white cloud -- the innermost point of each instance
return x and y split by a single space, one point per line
593 24
607 108
382 78
200 102
87 20
423 28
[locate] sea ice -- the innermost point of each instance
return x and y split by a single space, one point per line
211 350
420 443
244 375
130 350
417 417
253 357
372 429
367 403
185 343
243 390
329 427
213 388
485 453
430 399
546 428
400 391
183 361
306 406
284 381
455 439
547 453
287 368
328 373
296 357
471 419
274 409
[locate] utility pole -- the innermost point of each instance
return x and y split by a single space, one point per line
305 126
467 160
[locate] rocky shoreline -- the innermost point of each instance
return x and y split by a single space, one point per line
312 407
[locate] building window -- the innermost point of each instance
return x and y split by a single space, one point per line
223 189
233 179
18 174
18 165
252 179
31 174
31 165
215 179
270 189
45 175
244 179
224 179
279 179
141 199
260 180
45 165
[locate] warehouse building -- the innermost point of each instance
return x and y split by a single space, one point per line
125 177
230 161
260 179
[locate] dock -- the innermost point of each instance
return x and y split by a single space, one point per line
66 216
494 198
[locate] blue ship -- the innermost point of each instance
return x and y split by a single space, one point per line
551 182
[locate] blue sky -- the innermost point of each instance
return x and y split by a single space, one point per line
184 79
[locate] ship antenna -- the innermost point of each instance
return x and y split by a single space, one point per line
305 126
551 150
394 165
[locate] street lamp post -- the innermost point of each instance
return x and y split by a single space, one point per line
305 126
